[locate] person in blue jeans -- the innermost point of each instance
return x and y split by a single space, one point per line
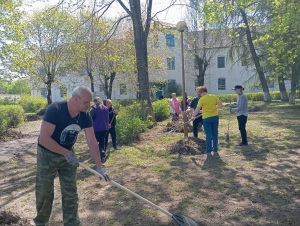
209 104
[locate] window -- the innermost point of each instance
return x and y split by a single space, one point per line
122 89
171 63
171 81
221 62
270 81
221 83
44 92
170 40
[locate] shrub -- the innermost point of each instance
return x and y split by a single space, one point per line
161 109
130 123
258 96
10 116
8 101
31 104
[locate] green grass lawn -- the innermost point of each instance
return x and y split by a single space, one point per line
252 185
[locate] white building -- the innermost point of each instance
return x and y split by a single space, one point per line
221 75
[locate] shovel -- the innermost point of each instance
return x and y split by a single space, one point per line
178 218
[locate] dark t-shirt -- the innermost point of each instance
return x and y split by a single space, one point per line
66 127
112 117
194 103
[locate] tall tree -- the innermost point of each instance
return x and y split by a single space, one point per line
11 37
284 46
50 38
141 31
90 41
241 18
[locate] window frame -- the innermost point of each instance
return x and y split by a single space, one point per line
219 65
170 40
221 86
171 63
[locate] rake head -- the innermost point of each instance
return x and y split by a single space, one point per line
183 220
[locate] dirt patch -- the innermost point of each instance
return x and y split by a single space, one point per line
12 135
12 219
194 146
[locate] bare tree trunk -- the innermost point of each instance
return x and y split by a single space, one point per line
140 43
294 82
283 93
49 94
92 81
110 86
259 69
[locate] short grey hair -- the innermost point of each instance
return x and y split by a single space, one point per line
78 91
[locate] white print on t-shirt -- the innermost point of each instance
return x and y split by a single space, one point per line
69 134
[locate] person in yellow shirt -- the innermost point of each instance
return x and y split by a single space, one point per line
209 104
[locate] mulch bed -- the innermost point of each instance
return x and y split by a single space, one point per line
12 219
193 146
12 135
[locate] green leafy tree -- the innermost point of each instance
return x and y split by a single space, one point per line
50 42
282 37
11 38
241 19
20 86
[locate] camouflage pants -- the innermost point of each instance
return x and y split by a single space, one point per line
48 165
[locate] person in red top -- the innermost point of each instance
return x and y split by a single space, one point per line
174 107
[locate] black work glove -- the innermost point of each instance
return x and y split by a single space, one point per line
71 159
102 171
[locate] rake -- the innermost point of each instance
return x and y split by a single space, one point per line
178 218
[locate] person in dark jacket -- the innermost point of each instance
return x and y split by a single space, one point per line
112 122
198 121
100 124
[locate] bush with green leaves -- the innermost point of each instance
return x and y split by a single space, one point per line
258 96
130 122
31 104
10 116
161 109
9 100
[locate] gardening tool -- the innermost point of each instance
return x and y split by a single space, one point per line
178 218
227 135
175 128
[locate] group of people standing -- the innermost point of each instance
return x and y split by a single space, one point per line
64 120
204 112
104 123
